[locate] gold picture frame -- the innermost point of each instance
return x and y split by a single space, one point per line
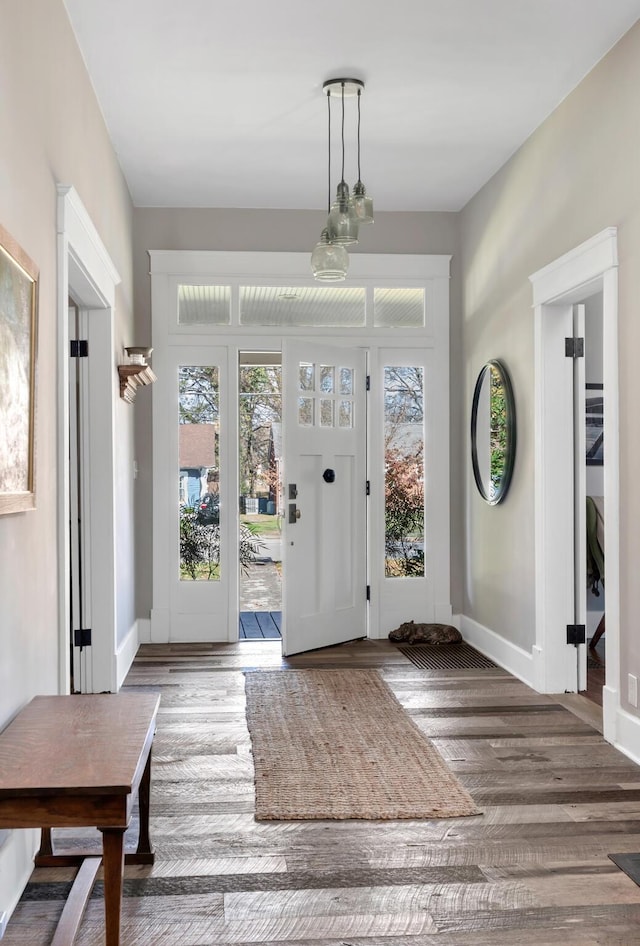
18 351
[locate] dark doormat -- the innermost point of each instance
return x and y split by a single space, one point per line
629 863
446 657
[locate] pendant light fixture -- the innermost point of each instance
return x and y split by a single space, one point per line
342 224
329 259
362 205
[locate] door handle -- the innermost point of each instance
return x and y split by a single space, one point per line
294 513
329 475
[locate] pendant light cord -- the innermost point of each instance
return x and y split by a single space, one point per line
343 132
329 156
359 93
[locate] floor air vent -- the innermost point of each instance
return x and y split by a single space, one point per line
446 657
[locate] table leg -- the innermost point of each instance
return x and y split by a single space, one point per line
46 844
113 866
144 798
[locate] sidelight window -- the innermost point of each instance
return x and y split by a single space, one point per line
404 463
199 463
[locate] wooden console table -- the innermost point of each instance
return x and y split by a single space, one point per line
78 761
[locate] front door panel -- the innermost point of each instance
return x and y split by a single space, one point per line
325 496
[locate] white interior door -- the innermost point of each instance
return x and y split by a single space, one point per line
325 568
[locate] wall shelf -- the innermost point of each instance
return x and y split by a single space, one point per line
133 377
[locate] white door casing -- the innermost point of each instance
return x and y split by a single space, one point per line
574 277
325 547
86 272
172 269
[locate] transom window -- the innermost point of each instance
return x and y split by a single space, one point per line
299 306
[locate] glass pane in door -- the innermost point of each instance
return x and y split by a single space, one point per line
198 480
404 472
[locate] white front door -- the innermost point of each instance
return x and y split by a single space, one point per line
325 587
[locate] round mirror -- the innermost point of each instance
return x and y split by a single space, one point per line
493 432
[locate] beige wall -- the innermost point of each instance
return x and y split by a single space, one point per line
576 175
51 130
276 231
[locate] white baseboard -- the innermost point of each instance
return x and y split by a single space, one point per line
627 734
126 654
507 655
16 867
144 630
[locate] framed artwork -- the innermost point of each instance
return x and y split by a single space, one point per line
594 403
18 340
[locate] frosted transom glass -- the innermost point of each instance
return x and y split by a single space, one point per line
398 308
204 305
302 305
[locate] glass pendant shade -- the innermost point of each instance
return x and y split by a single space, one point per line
362 205
329 261
342 223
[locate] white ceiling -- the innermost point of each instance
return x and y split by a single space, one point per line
220 104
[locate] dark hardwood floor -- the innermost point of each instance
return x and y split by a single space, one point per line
532 869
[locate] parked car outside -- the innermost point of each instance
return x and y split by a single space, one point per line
208 509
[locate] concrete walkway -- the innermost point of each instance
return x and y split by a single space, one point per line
261 588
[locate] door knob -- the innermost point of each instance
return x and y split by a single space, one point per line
329 476
294 513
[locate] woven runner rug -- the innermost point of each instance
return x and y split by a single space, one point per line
337 744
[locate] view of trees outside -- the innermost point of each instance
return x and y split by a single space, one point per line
260 406
404 471
198 394
198 400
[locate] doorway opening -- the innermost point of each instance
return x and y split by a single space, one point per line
594 459
260 471
78 603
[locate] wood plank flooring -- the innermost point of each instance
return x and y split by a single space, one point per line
532 869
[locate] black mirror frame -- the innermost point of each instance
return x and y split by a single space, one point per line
505 480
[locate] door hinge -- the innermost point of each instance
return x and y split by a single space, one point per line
82 637
576 634
368 592
574 347
79 348
368 488
368 382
